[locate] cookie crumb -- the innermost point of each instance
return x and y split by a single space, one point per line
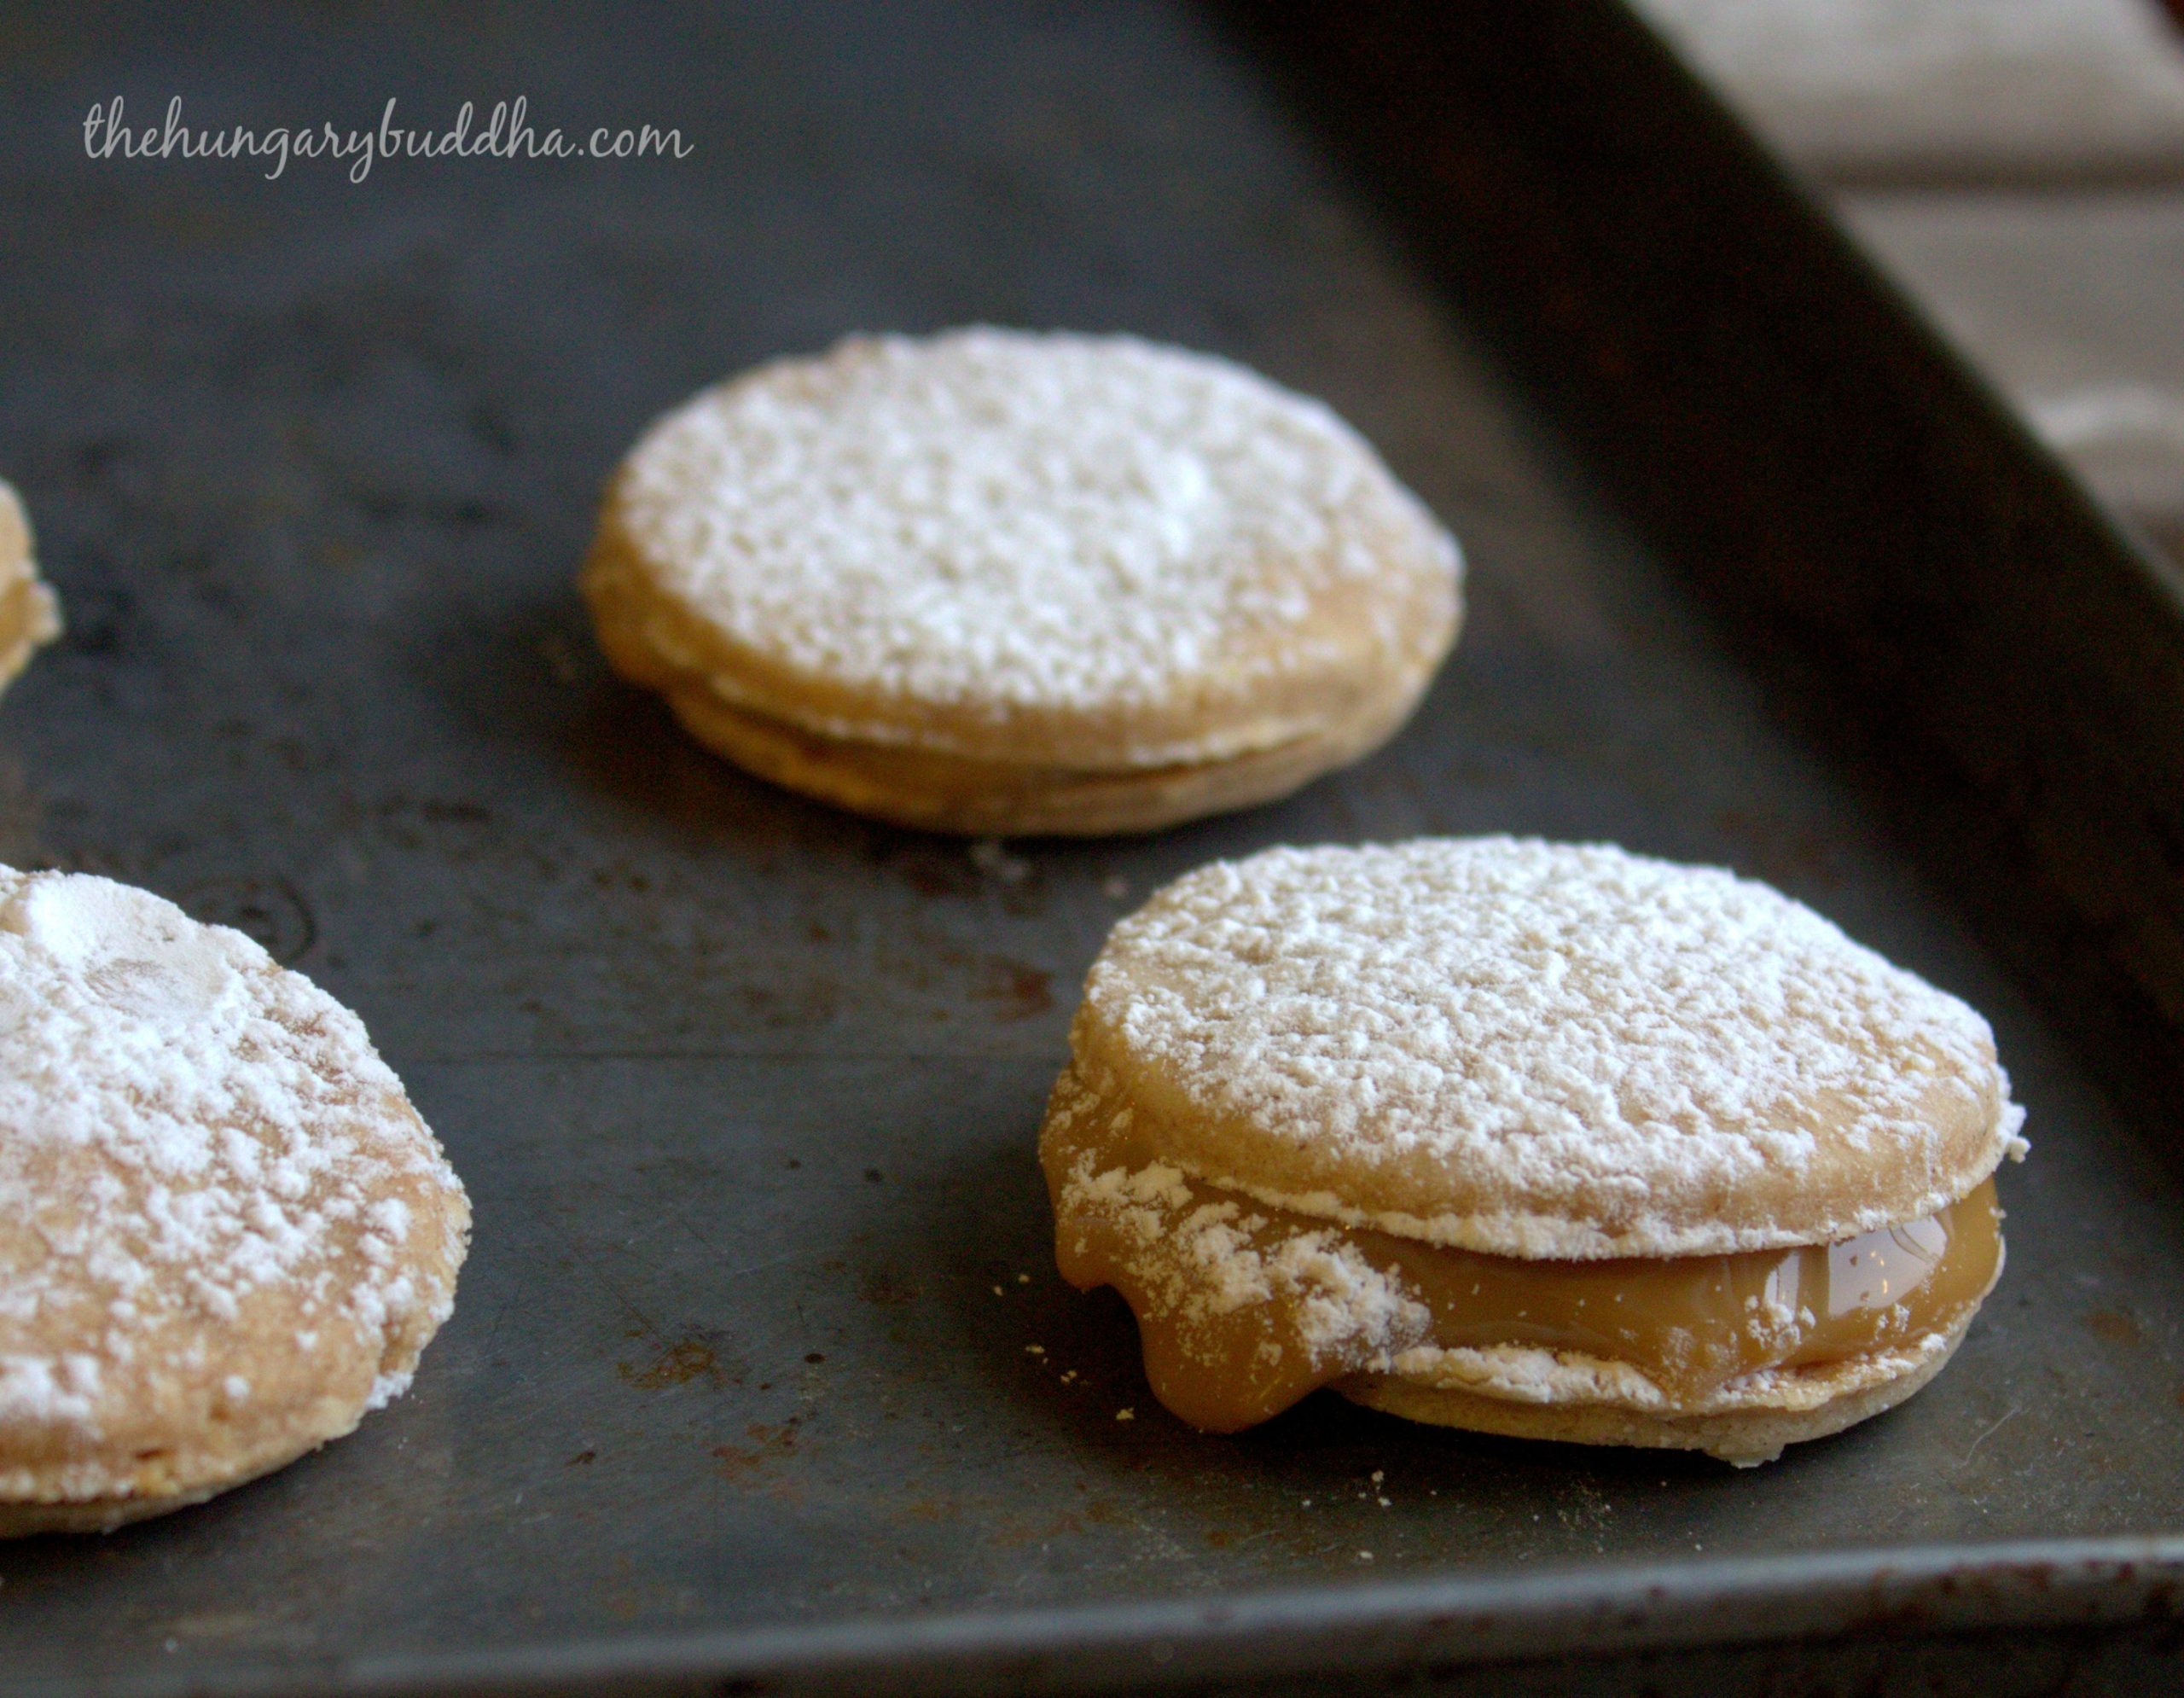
990 857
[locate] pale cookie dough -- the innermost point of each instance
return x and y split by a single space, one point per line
30 613
1528 1137
995 582
224 1233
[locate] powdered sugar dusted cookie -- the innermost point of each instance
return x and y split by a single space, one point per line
1000 582
1529 1138
30 614
224 1233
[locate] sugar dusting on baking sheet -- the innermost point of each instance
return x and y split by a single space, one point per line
992 519
1573 1023
181 1122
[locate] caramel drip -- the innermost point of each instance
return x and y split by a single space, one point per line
1243 1308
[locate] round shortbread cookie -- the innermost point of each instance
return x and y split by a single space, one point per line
1536 1049
224 1233
1031 555
30 613
1536 1139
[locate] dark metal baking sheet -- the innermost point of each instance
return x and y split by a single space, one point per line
760 1377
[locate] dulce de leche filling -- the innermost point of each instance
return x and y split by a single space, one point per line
1243 1308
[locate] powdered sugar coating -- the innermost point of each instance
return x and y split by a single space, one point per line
194 1142
997 522
1535 1049
1202 1259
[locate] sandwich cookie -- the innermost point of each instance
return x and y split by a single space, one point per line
1003 582
30 613
1532 1139
224 1233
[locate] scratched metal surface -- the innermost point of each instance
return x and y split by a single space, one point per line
759 1329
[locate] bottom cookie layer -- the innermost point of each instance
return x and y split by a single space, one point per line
1744 1437
104 1514
986 798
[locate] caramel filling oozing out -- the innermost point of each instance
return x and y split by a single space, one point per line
1243 1308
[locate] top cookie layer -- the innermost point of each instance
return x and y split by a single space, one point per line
1540 1049
224 1230
1059 548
